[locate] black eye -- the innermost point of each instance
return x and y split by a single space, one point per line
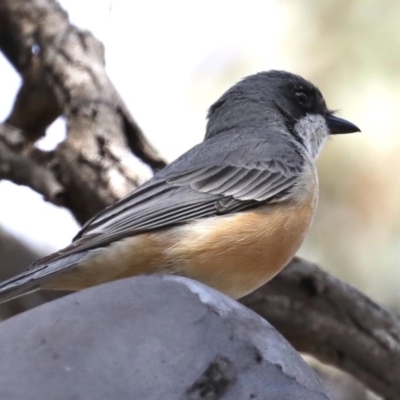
303 99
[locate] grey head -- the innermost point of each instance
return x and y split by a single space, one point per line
280 102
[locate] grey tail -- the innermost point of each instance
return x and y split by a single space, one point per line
32 279
18 286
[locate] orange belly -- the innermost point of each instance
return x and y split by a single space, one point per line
237 254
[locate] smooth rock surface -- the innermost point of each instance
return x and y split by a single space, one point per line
149 338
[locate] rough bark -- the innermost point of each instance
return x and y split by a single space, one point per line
62 68
63 73
23 169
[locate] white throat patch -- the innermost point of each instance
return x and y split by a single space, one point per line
313 130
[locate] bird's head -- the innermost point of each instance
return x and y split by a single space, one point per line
279 101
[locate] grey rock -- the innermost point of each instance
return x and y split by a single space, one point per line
149 338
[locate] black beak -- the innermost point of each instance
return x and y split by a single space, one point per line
338 125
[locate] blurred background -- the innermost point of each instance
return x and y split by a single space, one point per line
171 59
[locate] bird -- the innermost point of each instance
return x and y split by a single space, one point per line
231 212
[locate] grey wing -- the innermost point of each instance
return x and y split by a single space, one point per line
197 185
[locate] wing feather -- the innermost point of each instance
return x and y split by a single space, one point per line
198 185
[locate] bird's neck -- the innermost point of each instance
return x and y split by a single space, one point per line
313 132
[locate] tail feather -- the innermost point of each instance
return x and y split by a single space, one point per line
33 279
18 286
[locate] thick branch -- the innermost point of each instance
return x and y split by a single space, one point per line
63 73
334 322
22 170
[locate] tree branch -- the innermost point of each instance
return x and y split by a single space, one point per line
325 317
63 73
22 170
